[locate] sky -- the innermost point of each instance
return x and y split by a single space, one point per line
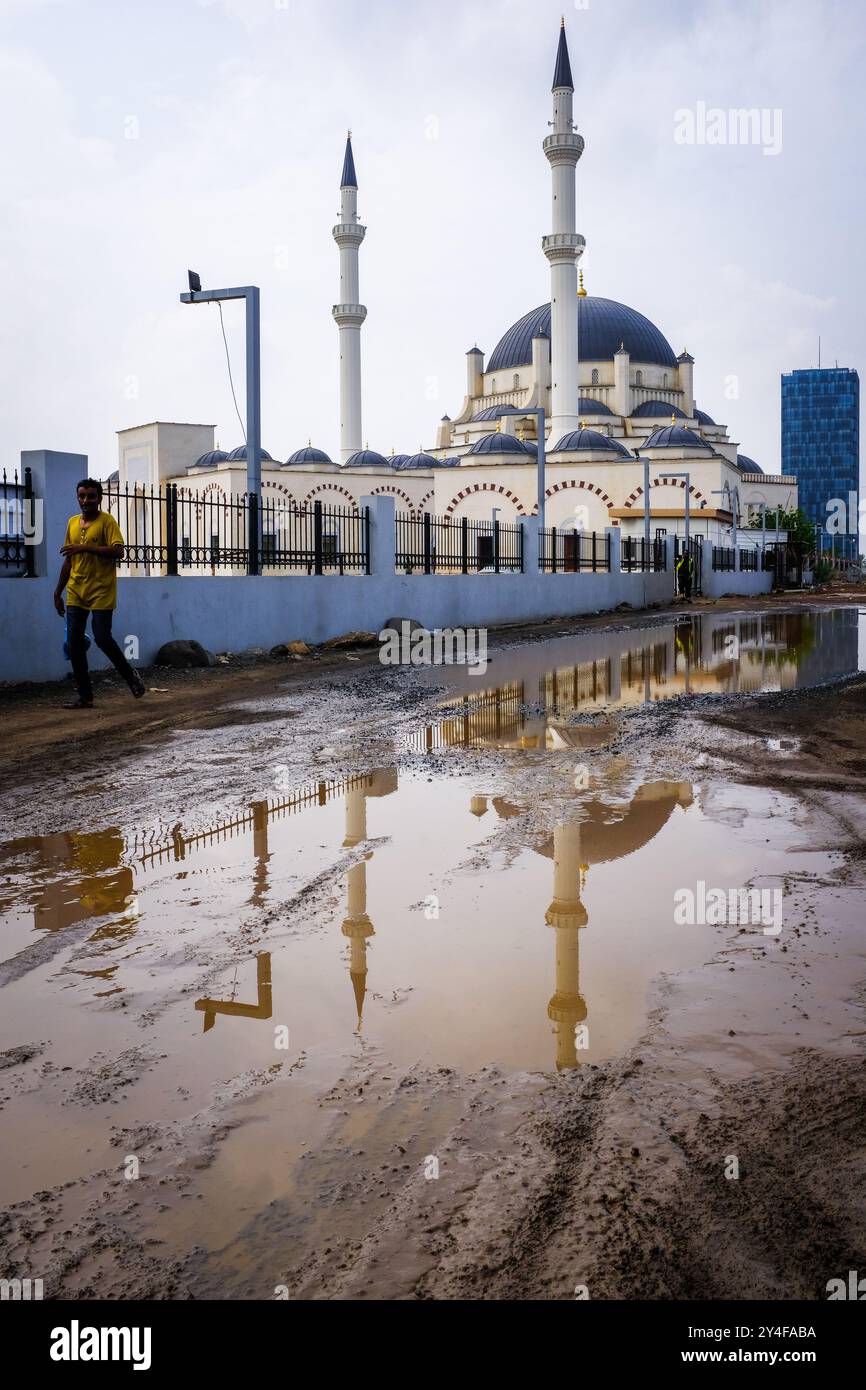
142 139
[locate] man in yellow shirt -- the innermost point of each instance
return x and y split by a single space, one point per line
92 548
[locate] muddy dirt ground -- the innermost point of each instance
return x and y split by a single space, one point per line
608 1177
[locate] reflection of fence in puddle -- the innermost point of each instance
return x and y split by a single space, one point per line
257 818
587 683
487 717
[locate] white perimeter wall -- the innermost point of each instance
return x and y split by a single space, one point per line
233 613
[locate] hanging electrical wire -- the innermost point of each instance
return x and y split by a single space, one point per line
229 365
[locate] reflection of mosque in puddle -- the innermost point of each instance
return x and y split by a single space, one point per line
694 655
98 875
600 831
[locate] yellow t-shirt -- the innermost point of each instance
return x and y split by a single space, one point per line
93 578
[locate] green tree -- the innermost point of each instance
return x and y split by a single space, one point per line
801 531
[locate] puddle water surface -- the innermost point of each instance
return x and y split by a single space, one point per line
416 916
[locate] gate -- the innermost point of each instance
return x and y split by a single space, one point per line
696 550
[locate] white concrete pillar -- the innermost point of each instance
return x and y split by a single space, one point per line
615 534
55 476
381 534
530 544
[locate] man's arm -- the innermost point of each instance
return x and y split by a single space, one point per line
113 552
65 571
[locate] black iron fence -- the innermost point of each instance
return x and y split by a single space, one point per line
724 557
17 529
563 551
428 544
171 528
749 561
639 554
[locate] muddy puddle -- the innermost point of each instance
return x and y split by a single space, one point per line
431 913
529 696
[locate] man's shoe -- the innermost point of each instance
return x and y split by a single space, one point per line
78 703
137 687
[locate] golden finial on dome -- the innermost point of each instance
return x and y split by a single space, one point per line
673 418
580 290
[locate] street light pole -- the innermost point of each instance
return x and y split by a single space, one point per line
687 477
250 295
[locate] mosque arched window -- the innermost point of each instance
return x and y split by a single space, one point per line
516 380
595 376
638 378
493 386
665 382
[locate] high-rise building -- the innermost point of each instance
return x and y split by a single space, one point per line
821 445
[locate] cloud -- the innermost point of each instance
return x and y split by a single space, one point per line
239 111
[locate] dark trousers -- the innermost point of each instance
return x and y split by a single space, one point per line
76 626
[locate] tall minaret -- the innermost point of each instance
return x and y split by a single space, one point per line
563 249
349 314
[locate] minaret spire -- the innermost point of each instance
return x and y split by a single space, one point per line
349 314
563 248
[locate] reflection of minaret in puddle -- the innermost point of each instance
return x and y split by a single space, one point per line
566 915
357 925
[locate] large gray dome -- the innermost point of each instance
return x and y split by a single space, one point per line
602 325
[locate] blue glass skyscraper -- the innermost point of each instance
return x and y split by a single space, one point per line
821 444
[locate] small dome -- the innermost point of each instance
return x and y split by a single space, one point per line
114 477
495 412
307 455
418 461
589 439
211 459
675 437
499 444
446 463
703 418
531 445
241 453
747 465
366 458
587 406
657 410
397 460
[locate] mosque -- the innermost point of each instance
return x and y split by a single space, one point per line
615 397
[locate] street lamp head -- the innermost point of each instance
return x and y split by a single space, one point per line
194 281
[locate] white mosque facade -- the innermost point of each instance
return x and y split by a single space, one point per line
615 395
